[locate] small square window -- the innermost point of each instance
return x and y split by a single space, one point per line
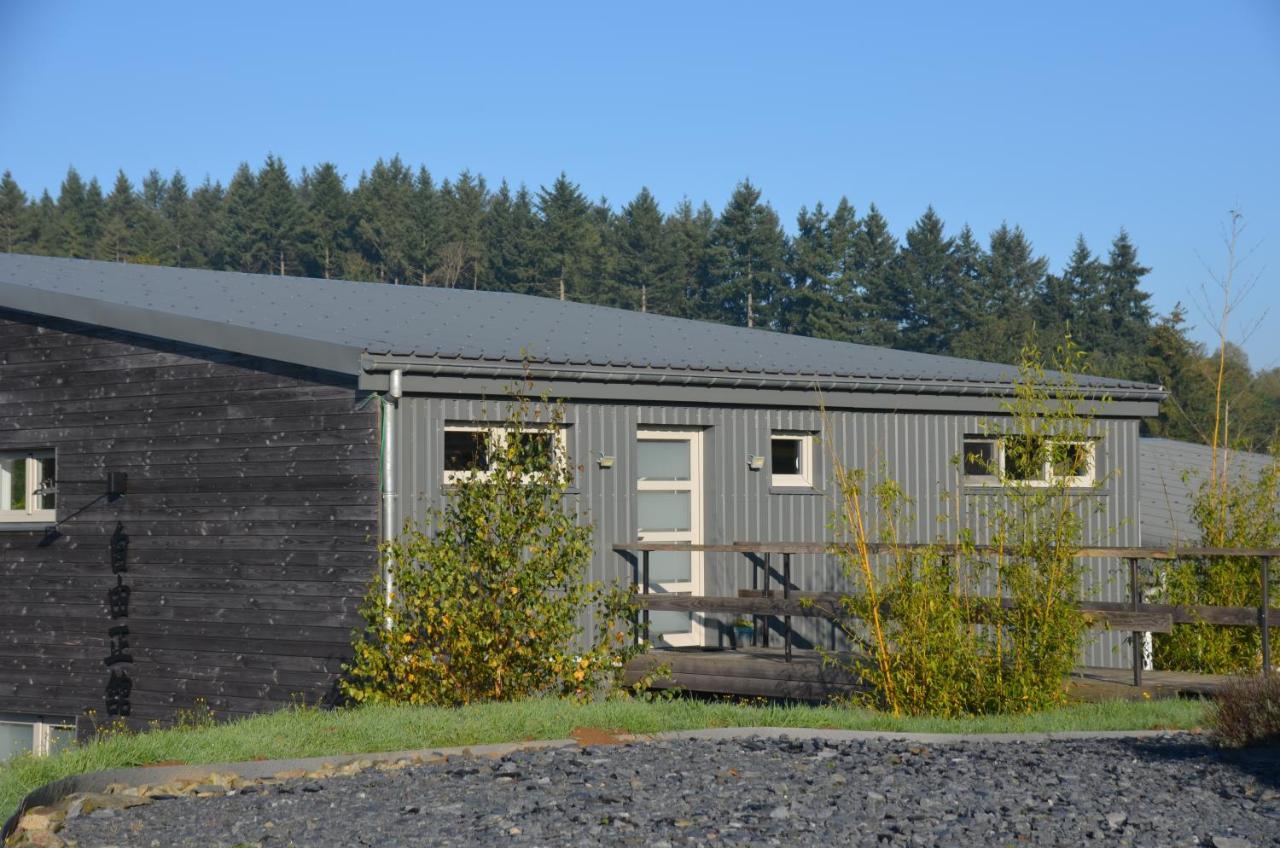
981 460
28 486
466 450
791 460
1024 458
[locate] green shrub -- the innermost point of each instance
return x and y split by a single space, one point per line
1230 513
487 600
1247 712
928 618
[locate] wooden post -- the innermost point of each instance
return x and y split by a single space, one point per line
768 571
645 575
1264 613
1135 598
755 586
786 594
635 581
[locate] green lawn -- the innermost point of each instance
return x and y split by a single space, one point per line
317 733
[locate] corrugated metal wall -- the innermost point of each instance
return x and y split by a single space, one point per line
915 449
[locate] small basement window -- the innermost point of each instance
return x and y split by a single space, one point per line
791 460
40 736
469 449
28 486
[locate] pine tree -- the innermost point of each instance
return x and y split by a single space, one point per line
15 229
1013 278
179 215
328 220
875 253
685 290
1072 300
1127 311
748 251
383 202
277 221
511 234
121 239
79 216
155 238
811 269
208 230
236 236
643 254
427 226
465 202
47 227
568 239
928 287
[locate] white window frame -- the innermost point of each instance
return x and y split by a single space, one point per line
1047 477
696 584
41 730
803 480
33 483
497 440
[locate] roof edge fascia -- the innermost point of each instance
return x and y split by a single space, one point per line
416 368
166 326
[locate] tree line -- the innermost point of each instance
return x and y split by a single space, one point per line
840 274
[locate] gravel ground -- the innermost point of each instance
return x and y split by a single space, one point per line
1161 792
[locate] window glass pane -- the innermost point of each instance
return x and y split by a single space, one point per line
663 511
1024 458
669 623
14 739
60 737
788 456
13 482
533 450
665 460
1070 459
980 458
48 482
669 567
466 450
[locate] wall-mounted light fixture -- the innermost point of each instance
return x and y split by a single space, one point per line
755 463
604 460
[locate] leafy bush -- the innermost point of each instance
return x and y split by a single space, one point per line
1247 712
1230 513
487 602
929 618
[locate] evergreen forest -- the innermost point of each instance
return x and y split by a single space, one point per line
839 273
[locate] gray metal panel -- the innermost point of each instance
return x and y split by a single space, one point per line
916 449
327 323
1171 474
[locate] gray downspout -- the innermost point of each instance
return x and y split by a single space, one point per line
390 404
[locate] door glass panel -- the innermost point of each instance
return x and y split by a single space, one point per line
663 512
663 623
663 460
669 567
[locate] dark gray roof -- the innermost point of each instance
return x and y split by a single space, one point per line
337 325
1170 474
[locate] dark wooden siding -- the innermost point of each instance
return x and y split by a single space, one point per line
251 512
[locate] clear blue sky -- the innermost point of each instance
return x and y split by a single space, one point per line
1158 117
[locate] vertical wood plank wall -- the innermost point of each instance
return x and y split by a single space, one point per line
251 511
914 448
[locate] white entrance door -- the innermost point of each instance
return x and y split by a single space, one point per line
669 509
